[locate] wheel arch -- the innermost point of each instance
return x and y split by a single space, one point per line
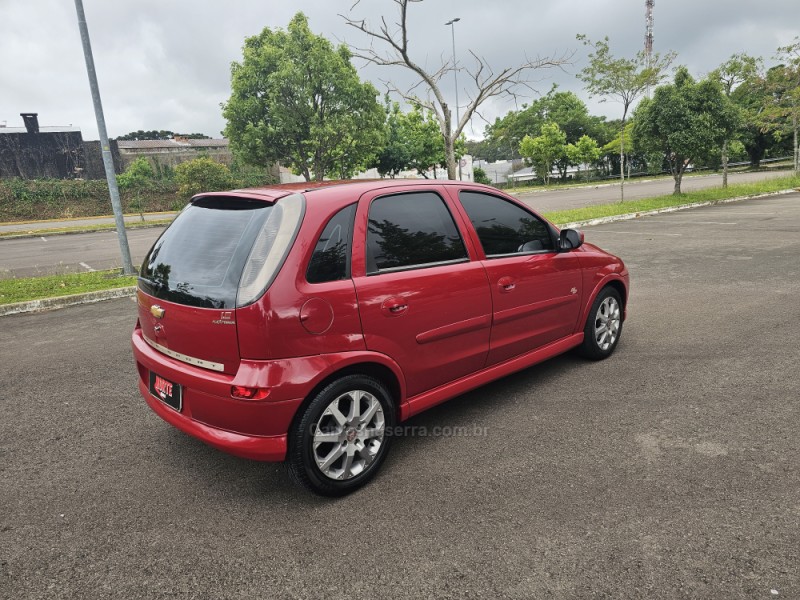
374 369
620 287
609 281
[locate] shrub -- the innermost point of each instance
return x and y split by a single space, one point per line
480 176
202 175
138 173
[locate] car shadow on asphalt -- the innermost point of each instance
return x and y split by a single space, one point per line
226 476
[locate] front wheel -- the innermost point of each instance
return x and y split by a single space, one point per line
340 440
603 326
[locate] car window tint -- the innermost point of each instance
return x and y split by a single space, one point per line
331 258
503 227
411 230
199 259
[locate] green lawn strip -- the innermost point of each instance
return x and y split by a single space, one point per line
50 286
86 228
696 197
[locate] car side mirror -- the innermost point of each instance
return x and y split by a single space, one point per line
569 240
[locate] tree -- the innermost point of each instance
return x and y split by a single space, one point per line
202 175
545 149
413 141
297 100
583 152
162 134
738 69
750 96
623 80
781 112
425 144
486 83
685 120
480 176
563 108
395 155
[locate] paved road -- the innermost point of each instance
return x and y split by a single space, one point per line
670 470
82 252
588 196
30 257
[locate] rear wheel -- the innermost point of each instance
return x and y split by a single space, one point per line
341 440
603 326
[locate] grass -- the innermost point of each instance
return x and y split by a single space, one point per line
86 228
696 197
50 286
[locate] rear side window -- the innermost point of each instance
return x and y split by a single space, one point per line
411 230
331 258
503 227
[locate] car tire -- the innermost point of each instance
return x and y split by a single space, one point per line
340 440
603 326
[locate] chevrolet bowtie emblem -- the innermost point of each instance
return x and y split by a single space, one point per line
156 311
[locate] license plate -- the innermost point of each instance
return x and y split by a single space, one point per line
169 393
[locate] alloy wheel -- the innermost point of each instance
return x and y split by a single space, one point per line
348 435
607 323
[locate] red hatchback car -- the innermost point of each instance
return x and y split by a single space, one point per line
303 322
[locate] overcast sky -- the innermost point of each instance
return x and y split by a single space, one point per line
165 64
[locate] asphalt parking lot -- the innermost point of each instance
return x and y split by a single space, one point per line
669 470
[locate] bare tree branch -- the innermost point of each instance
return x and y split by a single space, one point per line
487 83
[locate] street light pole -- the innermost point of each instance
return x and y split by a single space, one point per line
452 25
108 159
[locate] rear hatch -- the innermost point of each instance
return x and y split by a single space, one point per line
220 253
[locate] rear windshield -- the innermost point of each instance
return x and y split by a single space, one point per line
198 260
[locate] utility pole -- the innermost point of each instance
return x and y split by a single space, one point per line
648 34
108 159
452 25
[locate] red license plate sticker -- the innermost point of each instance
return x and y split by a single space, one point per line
168 392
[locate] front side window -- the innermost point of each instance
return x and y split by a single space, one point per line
504 228
331 258
411 230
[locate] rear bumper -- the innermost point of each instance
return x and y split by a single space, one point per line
267 448
249 429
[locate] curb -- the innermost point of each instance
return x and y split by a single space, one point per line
51 232
669 209
65 301
68 219
609 183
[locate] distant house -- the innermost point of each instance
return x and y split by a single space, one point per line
174 151
34 152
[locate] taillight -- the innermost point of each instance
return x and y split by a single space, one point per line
270 248
241 392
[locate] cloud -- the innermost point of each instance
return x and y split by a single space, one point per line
166 65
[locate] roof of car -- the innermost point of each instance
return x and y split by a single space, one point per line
337 192
365 184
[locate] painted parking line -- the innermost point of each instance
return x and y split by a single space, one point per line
44 240
633 232
85 266
701 223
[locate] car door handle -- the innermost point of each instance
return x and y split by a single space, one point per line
506 284
394 306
